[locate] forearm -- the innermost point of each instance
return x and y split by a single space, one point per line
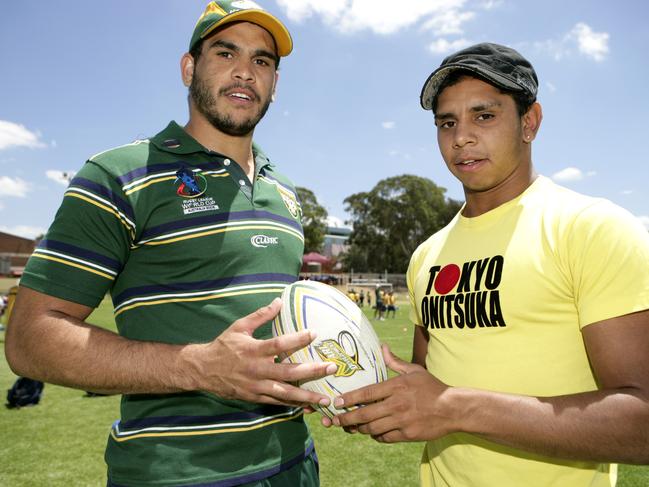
603 426
64 350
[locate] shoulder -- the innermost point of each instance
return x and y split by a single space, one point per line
576 212
124 158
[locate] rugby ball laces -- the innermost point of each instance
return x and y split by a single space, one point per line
344 337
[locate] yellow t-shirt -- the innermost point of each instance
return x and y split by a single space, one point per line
504 297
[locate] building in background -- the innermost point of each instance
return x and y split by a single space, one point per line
14 252
336 236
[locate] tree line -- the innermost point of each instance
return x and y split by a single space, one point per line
388 222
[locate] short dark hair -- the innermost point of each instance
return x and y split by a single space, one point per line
523 100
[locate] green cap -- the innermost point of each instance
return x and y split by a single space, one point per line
222 12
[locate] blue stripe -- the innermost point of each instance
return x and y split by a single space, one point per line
152 169
216 218
202 285
75 251
107 193
135 424
269 472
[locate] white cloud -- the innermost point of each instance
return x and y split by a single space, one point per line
448 22
627 191
334 221
16 135
582 37
442 46
53 143
393 153
13 187
61 177
491 4
568 174
644 219
591 43
388 125
551 88
2 207
591 173
379 16
23 231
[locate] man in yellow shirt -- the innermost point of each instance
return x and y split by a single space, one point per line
531 306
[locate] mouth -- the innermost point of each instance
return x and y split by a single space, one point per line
240 94
469 164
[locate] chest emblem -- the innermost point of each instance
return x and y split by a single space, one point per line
190 185
290 201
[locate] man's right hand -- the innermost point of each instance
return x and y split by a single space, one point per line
238 366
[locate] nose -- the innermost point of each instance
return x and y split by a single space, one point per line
463 135
243 71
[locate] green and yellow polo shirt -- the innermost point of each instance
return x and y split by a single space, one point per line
186 245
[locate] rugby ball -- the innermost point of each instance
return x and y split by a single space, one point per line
344 337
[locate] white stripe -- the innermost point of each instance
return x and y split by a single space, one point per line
106 202
221 225
136 142
137 182
272 181
199 293
207 426
74 259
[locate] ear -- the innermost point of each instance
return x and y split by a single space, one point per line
272 96
187 68
532 122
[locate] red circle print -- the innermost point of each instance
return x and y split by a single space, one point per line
447 278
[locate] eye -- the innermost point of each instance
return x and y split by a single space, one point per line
261 62
447 124
224 54
485 116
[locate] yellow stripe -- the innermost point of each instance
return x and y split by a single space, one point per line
207 432
221 230
199 298
103 207
148 183
223 175
47 257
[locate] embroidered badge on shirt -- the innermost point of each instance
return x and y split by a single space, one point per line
290 201
191 185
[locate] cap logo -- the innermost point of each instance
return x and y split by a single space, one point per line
211 8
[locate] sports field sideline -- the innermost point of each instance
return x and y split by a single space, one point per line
60 442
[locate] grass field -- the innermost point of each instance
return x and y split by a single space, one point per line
60 442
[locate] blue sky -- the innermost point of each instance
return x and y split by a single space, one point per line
78 77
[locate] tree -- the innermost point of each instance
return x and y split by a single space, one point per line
391 220
314 220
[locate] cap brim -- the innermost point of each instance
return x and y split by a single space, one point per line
437 77
263 19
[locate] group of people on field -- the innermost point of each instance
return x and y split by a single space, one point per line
385 301
531 307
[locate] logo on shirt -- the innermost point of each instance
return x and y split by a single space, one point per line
263 241
464 298
191 185
290 201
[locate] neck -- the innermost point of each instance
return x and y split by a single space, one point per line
480 202
237 148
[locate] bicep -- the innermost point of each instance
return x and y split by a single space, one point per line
35 303
420 346
618 349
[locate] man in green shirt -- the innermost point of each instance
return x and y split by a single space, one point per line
193 232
